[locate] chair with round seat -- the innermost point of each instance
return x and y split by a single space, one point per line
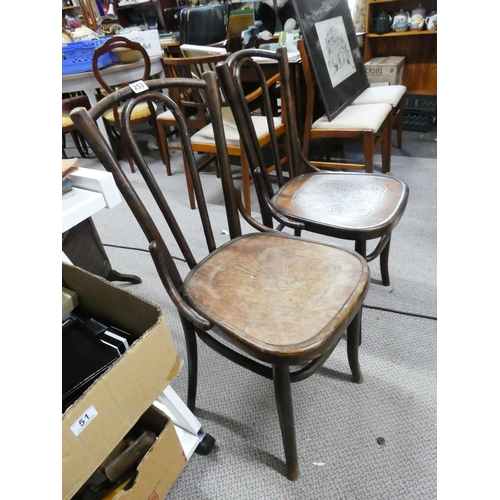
353 206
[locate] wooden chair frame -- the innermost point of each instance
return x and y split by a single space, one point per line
262 352
114 128
369 139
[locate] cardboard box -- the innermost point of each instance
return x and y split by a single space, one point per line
103 415
149 39
162 464
385 69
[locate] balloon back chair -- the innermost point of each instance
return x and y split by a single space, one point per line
317 290
146 112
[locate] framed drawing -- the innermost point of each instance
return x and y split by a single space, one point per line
330 39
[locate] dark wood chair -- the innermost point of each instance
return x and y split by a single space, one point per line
355 206
272 303
367 124
143 113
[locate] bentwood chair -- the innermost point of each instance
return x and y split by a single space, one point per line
272 303
144 113
354 206
367 124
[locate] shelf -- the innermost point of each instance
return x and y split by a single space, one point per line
403 33
69 7
135 5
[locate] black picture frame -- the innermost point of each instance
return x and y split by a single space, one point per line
335 56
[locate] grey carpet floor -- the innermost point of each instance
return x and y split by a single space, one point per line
337 422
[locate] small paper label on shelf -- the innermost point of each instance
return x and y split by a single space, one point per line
84 420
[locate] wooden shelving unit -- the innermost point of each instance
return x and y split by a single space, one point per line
160 11
418 47
86 10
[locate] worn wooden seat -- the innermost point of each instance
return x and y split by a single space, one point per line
354 206
265 300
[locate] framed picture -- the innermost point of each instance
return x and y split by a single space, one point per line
335 56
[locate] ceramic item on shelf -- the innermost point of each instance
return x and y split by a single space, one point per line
431 21
401 21
416 22
382 23
417 18
126 55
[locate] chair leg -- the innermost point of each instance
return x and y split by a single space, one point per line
368 150
192 357
360 247
384 264
162 139
76 139
283 395
353 342
386 145
399 127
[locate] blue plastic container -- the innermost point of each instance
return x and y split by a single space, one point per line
77 56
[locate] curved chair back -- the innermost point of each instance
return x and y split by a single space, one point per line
232 76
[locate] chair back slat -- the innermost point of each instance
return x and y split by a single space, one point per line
233 75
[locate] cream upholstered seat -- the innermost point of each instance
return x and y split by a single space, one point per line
206 134
389 94
359 117
203 140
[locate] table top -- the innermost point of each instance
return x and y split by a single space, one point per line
115 69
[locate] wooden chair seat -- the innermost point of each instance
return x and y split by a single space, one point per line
343 204
313 287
